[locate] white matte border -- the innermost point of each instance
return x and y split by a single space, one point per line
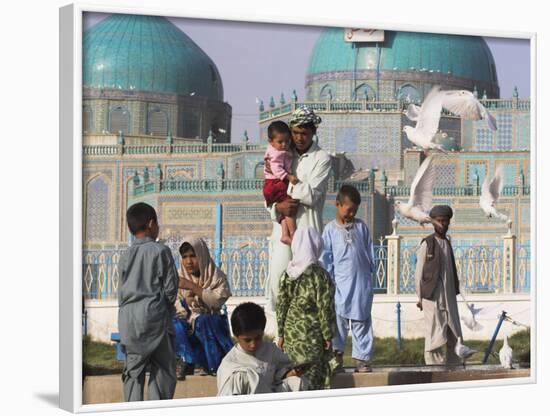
70 291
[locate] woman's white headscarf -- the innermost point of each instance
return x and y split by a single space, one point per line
307 246
212 280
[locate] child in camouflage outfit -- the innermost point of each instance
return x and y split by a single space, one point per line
306 317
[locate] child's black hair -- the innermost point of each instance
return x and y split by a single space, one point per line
350 192
139 215
247 317
277 127
185 247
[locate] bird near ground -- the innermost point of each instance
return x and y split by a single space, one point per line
490 191
420 200
427 116
463 351
506 354
469 318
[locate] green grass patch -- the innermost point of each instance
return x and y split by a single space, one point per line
100 358
412 350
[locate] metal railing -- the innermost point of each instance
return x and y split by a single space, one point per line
151 149
246 263
379 106
469 190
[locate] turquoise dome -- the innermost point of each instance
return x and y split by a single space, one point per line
147 53
461 56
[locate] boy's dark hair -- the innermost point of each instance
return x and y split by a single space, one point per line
185 247
247 317
277 127
139 215
350 192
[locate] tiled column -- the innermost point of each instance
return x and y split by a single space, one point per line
393 269
509 261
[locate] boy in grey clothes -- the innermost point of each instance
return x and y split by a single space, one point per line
147 291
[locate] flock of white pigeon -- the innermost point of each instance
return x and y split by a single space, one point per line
464 104
427 116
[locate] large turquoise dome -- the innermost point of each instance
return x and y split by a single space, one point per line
147 53
462 56
405 64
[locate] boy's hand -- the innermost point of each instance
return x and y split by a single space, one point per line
281 343
328 345
293 179
419 304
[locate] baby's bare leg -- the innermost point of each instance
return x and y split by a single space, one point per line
291 224
285 236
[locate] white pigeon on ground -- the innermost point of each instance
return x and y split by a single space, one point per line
460 102
420 200
463 351
506 354
490 191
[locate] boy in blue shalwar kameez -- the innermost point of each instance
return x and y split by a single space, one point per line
348 256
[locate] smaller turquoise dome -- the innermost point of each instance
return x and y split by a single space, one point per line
147 53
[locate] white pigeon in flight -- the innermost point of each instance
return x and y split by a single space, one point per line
427 121
470 318
465 104
506 354
412 112
490 191
463 351
420 200
460 102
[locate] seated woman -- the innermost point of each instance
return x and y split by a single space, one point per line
202 333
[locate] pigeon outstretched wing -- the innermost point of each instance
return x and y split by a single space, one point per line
422 186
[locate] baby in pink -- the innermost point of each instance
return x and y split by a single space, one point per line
277 176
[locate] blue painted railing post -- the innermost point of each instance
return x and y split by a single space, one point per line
103 273
218 236
494 338
399 326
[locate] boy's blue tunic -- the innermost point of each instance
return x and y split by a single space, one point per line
348 256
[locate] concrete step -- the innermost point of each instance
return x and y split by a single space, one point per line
108 389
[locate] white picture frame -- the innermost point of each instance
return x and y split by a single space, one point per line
70 292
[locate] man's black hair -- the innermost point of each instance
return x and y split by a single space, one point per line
350 192
139 215
247 317
277 127
309 126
